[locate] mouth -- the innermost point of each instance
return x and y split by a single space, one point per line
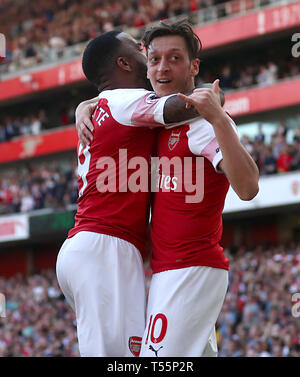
163 81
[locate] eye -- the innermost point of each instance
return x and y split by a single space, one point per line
153 59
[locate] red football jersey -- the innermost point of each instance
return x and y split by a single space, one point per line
114 193
186 225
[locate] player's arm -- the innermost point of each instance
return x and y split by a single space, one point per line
84 125
174 112
237 164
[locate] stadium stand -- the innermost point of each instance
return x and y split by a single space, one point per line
40 322
255 321
42 29
247 44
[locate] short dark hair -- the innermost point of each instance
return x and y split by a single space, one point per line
181 28
98 54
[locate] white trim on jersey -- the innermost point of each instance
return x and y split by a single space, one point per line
202 140
140 107
83 169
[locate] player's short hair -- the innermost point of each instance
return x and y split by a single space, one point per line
181 28
98 56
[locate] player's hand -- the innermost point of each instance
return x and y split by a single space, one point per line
210 86
84 125
206 101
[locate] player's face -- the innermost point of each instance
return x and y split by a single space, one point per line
138 60
170 69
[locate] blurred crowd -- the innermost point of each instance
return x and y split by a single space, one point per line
40 30
12 127
251 73
38 320
277 156
257 319
15 126
31 187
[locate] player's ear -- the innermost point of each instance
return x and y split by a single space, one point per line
124 63
195 67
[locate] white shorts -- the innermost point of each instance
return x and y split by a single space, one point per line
102 278
183 307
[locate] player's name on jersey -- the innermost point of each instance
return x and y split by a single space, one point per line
101 115
162 174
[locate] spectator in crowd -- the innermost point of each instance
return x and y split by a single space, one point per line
284 160
260 137
297 134
247 144
27 201
279 143
295 154
269 163
281 129
35 125
226 80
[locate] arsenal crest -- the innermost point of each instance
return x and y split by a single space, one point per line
174 139
134 344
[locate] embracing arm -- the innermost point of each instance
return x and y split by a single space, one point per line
175 110
84 125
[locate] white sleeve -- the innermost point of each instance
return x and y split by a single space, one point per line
203 142
135 107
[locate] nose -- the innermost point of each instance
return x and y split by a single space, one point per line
163 65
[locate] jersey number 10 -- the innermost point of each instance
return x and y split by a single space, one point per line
151 328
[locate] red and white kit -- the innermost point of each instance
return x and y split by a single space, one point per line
122 121
190 270
100 267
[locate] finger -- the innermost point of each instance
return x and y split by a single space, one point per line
187 99
87 133
83 141
85 137
216 86
88 123
85 130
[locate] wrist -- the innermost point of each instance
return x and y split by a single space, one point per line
221 120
